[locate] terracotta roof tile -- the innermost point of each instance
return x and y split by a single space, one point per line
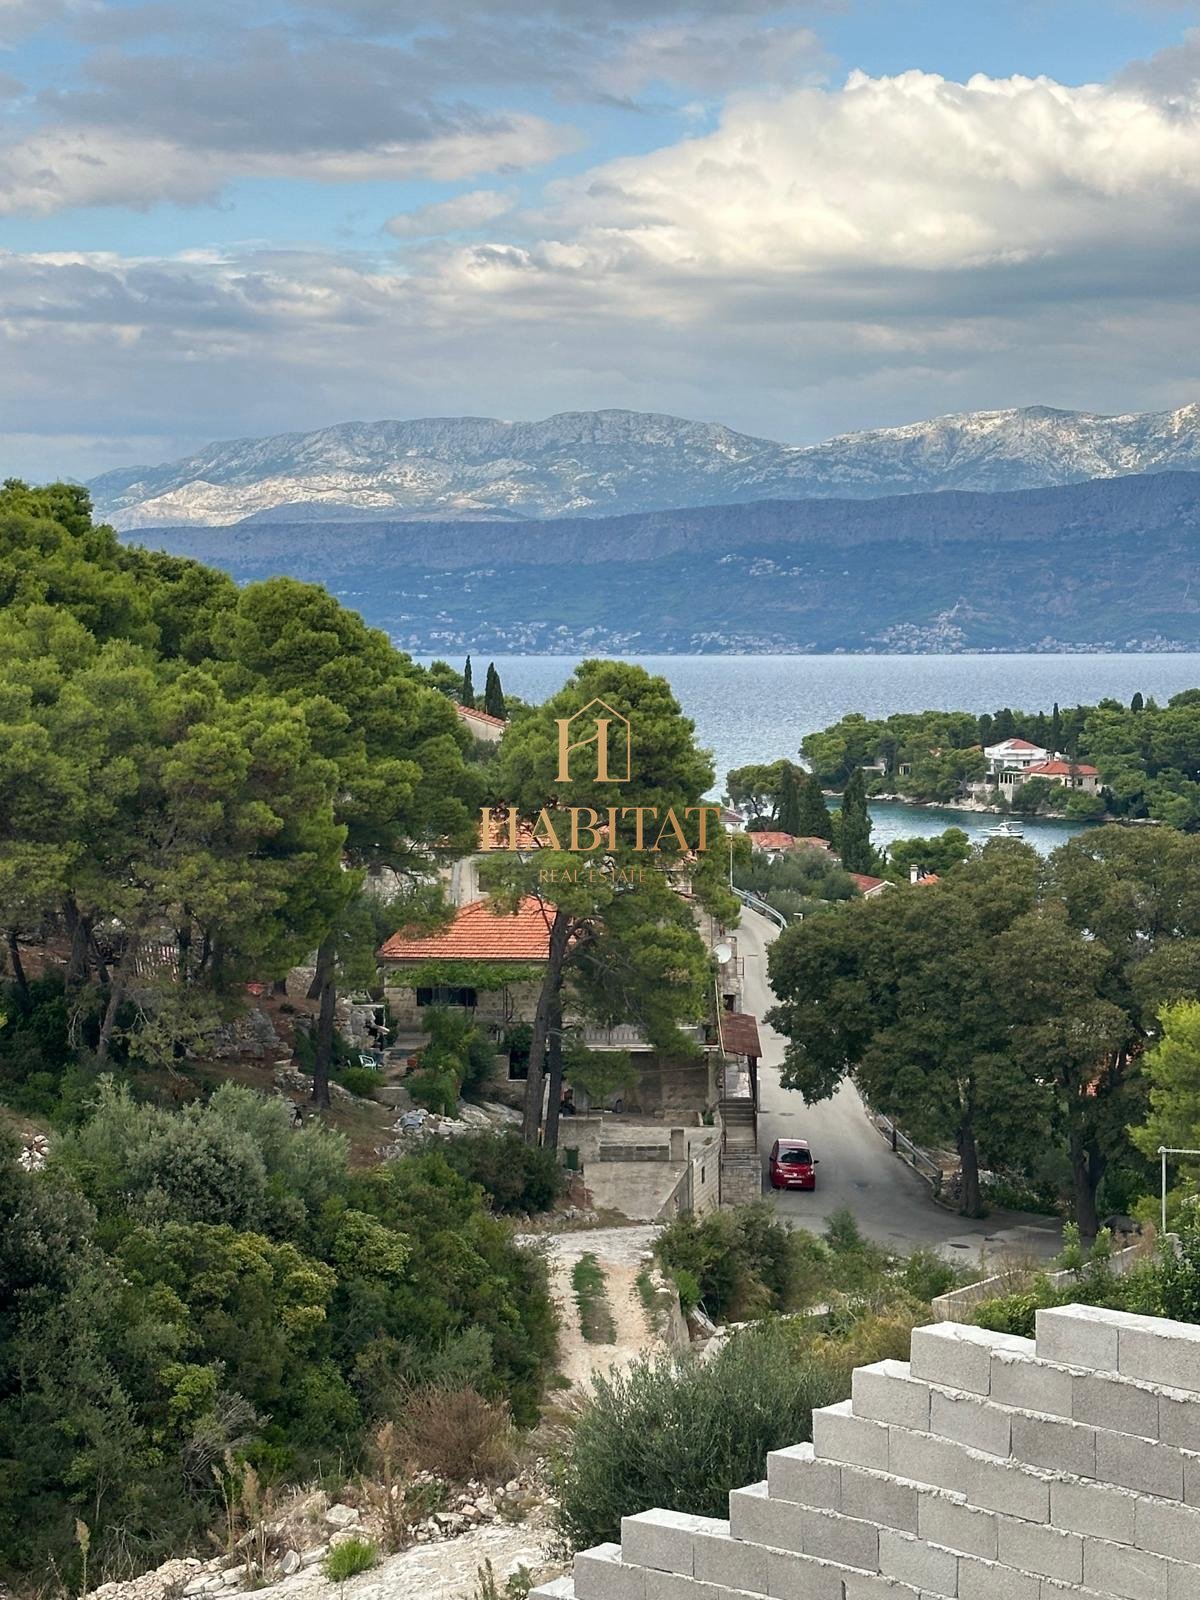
469 713
1062 769
479 933
865 884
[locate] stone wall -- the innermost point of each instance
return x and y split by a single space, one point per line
958 1305
985 1467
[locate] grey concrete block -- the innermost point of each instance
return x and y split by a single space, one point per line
879 1498
920 1458
675 1586
1004 1487
984 1580
1139 1464
946 1520
1111 1403
863 1586
600 1574
1179 1419
1119 1569
1094 1508
1056 1445
959 1356
795 1474
1031 1385
1161 1352
755 1517
887 1392
1169 1530
840 1436
849 1541
794 1577
1030 1547
662 1539
733 1562
972 1421
556 1589
1078 1336
927 1567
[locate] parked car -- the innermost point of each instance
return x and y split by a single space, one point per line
793 1165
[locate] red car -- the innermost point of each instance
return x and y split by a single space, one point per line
792 1165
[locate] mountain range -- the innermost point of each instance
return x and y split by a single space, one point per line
605 463
1107 564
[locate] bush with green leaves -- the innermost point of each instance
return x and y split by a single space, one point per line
681 1434
743 1262
518 1178
361 1081
179 1286
348 1559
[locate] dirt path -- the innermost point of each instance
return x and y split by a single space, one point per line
621 1254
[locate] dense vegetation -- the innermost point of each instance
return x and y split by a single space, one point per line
1013 995
1148 755
184 1292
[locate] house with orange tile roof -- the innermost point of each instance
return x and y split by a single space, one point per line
1071 774
868 886
772 842
482 724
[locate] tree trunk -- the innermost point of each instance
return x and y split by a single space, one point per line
326 985
116 995
14 961
554 1056
549 1002
77 929
1087 1168
94 950
279 987
971 1204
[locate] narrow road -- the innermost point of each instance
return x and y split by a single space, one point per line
892 1204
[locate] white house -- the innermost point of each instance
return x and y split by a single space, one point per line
1013 755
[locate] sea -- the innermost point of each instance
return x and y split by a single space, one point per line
758 708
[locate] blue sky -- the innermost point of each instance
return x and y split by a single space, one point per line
221 219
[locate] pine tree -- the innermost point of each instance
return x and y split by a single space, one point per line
493 694
468 688
854 836
788 815
1137 703
815 821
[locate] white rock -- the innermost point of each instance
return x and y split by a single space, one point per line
340 1516
290 1562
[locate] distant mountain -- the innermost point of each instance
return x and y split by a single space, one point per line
1108 564
597 463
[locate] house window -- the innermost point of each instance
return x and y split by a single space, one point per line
445 995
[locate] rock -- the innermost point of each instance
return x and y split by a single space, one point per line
310 1558
340 1516
291 1562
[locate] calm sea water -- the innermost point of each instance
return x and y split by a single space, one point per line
758 708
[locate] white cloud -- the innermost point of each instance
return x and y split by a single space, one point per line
465 213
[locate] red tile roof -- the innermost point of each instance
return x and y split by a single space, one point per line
479 933
1062 769
1018 744
865 884
769 840
739 1033
468 712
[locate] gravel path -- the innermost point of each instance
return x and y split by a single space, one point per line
621 1254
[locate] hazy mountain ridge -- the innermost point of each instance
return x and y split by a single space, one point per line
1107 564
597 463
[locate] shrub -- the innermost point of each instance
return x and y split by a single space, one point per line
682 1433
360 1081
740 1261
518 1177
926 1274
348 1559
455 1434
434 1088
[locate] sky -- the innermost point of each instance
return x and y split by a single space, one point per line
230 218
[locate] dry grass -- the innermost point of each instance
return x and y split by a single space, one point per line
456 1434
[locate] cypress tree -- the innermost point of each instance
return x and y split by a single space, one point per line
815 821
854 835
1137 703
468 688
493 694
1056 730
788 816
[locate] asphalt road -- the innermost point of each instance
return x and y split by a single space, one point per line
892 1204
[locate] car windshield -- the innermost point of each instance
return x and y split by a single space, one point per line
796 1158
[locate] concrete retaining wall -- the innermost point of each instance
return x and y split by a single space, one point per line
985 1467
959 1304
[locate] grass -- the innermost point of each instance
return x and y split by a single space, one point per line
595 1316
347 1560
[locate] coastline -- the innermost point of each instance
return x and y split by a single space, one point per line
979 807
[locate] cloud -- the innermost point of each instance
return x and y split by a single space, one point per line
465 213
821 259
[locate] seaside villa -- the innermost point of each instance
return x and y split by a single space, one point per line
1014 762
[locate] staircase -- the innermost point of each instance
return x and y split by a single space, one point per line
985 1467
741 1172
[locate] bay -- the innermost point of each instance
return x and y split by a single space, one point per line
758 708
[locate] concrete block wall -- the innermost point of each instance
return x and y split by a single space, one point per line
985 1467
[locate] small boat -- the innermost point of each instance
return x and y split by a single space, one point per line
1005 830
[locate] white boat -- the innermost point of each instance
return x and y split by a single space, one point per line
1006 830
